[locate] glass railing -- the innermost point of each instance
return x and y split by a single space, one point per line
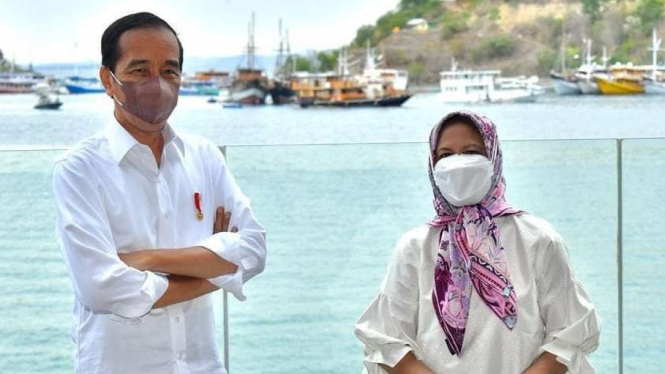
334 213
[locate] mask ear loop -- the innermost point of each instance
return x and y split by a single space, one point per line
121 85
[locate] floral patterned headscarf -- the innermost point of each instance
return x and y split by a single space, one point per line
471 255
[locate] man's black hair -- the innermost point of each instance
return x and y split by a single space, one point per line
111 37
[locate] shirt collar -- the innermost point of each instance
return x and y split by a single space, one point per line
121 141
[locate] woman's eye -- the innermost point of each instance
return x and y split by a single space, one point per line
444 155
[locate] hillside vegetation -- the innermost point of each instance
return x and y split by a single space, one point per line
518 37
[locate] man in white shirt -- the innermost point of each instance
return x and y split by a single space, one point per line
143 217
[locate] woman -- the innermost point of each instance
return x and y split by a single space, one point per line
483 287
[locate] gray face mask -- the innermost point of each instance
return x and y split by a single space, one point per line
151 100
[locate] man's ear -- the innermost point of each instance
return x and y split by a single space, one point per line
105 77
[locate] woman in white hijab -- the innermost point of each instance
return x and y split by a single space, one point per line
483 287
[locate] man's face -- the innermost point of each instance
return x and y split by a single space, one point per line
144 53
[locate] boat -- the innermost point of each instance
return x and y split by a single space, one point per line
654 87
280 88
380 102
46 100
474 86
382 82
587 73
282 93
81 85
249 85
624 80
564 82
205 83
16 83
565 85
341 89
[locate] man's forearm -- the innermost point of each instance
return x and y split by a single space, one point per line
181 289
196 262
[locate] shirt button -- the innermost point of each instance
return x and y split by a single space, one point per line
181 356
177 319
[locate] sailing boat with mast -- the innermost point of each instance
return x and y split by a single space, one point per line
587 73
249 85
280 91
563 83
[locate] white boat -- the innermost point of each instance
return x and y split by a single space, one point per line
587 73
46 99
485 86
563 86
378 81
654 87
19 82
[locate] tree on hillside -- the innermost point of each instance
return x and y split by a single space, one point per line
650 13
364 34
2 57
327 61
592 8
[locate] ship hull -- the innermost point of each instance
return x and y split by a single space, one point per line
608 87
383 102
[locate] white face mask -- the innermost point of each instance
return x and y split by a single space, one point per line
463 179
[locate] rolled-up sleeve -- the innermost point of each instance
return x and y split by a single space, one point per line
572 327
101 281
245 248
388 327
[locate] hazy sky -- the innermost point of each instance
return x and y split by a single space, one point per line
42 31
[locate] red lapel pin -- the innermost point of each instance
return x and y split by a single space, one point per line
197 205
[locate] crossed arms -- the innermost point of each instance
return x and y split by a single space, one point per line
188 268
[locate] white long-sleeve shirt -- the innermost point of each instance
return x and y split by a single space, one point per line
554 312
112 198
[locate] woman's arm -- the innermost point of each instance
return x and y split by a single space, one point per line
546 364
408 365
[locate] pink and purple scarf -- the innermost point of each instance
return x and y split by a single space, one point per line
470 250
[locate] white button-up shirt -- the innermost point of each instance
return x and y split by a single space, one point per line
112 198
554 312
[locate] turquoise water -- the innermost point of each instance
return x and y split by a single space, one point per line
334 212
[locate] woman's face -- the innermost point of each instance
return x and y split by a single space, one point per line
459 138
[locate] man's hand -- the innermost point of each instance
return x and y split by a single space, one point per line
222 221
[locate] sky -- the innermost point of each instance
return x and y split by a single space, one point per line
48 31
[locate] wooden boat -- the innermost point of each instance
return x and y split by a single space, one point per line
624 80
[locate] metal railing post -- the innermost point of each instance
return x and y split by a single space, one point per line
225 310
620 248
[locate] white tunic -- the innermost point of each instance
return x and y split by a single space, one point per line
112 198
554 312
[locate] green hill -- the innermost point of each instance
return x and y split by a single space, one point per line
518 37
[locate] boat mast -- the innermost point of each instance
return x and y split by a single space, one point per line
288 53
279 62
605 58
250 44
369 63
655 47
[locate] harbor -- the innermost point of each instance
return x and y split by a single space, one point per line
327 135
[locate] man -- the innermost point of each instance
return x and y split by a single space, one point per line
143 217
